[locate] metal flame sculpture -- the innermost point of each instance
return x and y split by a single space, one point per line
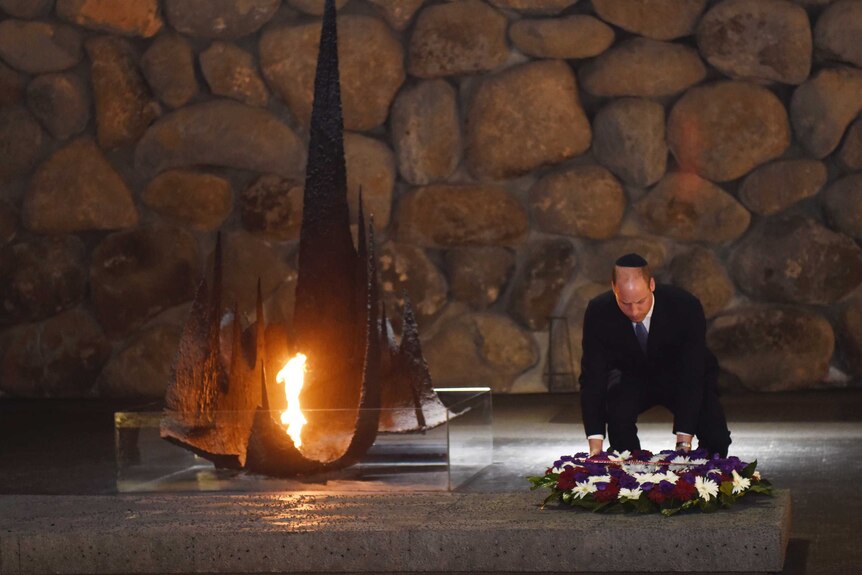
228 411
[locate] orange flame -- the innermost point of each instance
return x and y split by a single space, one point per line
292 375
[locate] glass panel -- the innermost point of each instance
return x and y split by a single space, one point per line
437 459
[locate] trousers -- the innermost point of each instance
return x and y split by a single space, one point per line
629 396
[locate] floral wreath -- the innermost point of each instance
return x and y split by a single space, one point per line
669 482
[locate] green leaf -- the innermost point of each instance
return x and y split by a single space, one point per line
760 488
749 469
726 487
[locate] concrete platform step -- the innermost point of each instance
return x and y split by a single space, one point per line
381 533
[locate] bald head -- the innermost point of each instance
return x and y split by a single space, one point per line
633 286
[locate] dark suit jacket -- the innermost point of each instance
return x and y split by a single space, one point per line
677 360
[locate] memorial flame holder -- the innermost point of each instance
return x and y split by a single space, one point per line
443 458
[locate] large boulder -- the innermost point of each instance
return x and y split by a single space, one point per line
23 142
837 32
538 285
851 151
457 38
8 223
26 8
77 189
426 132
136 274
478 276
778 185
371 170
480 349
314 7
230 71
11 86
584 201
850 335
124 107
40 278
221 133
198 200
629 139
700 272
405 268
460 215
842 201
656 19
169 67
723 130
792 258
61 102
138 18
524 118
597 260
272 206
60 357
642 67
574 313
568 37
39 47
823 107
398 13
247 258
219 18
371 67
143 369
773 348
768 40
688 208
539 7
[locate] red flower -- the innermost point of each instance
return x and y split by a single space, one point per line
566 480
609 493
683 490
656 496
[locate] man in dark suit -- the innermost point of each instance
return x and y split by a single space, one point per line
645 345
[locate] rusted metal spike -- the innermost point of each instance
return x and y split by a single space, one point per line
264 401
411 356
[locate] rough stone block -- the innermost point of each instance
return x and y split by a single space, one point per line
408 533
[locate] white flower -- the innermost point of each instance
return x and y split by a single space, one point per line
699 461
718 471
740 483
706 488
756 475
614 456
582 489
649 477
681 460
630 493
599 478
668 476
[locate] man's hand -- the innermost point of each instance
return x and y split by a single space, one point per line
595 445
683 442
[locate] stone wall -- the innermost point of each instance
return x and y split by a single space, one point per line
509 151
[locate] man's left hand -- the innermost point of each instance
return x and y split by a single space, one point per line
683 442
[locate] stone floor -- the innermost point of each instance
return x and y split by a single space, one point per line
808 442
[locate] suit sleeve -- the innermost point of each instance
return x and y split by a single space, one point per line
692 382
594 376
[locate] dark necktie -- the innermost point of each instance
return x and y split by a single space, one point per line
642 335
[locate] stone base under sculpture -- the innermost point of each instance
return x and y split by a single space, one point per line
393 533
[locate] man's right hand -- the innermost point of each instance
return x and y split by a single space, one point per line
595 446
